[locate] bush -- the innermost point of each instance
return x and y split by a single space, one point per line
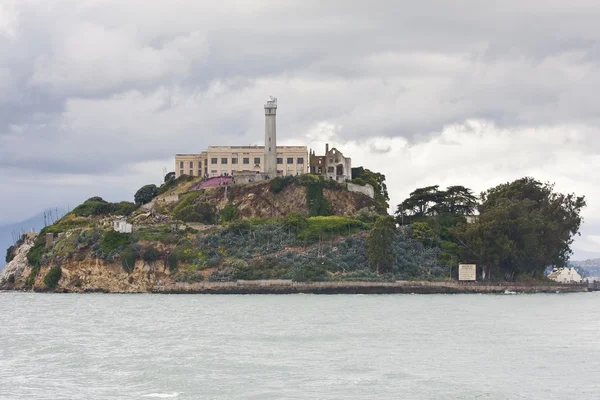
172 262
34 273
150 254
128 257
9 254
203 213
145 194
229 213
329 227
111 241
124 208
278 184
52 277
34 255
160 234
295 222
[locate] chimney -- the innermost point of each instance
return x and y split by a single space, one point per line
326 148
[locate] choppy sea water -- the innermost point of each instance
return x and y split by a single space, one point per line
100 346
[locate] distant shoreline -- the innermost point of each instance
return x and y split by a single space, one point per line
344 287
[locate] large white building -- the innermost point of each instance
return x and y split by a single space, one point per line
270 159
565 275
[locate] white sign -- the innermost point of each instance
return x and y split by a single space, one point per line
467 272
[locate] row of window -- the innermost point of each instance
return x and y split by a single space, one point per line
245 160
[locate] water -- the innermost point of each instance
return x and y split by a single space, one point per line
299 346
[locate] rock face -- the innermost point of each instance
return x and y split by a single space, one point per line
16 268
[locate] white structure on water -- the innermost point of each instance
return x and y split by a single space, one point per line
565 275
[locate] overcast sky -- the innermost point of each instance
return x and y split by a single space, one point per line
97 95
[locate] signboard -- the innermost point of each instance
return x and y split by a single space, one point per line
467 272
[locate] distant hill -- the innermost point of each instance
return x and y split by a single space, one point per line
6 231
591 266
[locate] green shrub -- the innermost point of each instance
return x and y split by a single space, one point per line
278 184
172 262
34 273
128 256
229 213
150 254
52 277
328 227
34 255
91 207
295 222
190 212
10 254
111 241
124 208
145 194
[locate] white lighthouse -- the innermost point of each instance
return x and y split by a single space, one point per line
271 137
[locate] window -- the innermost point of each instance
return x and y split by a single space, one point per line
181 171
300 160
213 160
279 160
191 172
191 164
181 165
256 160
234 160
224 160
205 162
290 160
213 171
330 169
331 160
199 172
246 160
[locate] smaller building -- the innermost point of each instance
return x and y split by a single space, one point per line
121 225
333 164
565 275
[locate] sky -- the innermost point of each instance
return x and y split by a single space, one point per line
96 96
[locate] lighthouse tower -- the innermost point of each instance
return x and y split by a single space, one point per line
271 137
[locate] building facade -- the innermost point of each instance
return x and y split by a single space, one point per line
269 160
227 160
333 164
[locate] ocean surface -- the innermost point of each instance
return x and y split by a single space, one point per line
98 346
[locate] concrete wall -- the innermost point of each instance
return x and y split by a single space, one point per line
367 190
122 226
287 286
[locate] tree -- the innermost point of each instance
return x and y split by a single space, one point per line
362 176
459 200
229 213
523 227
422 232
145 194
421 202
380 245
169 177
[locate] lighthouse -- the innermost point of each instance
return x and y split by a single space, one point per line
271 137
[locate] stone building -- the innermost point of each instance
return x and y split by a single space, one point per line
270 160
333 164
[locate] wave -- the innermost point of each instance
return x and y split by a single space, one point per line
162 395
